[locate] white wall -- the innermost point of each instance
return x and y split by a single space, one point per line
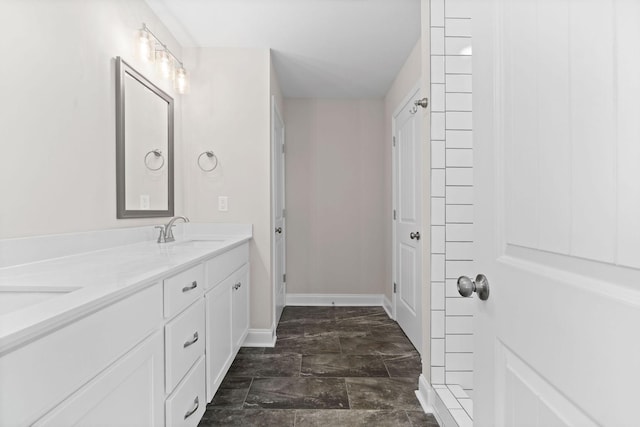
336 193
228 112
57 79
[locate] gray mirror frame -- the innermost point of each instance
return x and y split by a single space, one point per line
122 70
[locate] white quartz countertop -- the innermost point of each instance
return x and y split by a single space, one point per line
38 297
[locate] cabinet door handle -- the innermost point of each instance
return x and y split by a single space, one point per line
191 341
237 286
194 285
196 402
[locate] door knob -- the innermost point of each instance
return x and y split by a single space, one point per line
415 235
467 286
424 102
279 230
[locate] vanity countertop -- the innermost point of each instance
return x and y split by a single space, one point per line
38 297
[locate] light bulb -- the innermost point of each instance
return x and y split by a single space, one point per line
144 45
165 63
181 82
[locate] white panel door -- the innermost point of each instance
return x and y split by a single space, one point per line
557 148
278 191
408 222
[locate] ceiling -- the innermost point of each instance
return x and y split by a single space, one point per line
321 48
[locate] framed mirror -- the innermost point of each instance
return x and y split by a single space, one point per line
144 146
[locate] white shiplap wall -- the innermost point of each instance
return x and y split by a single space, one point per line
451 192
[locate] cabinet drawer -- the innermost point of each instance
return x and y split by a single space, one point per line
185 407
183 289
220 267
184 343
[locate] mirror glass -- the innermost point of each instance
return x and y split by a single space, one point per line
144 145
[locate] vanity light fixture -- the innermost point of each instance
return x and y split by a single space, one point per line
151 48
181 81
165 64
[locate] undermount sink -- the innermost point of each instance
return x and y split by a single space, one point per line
199 243
14 298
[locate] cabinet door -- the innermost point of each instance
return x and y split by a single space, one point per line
240 307
128 393
219 347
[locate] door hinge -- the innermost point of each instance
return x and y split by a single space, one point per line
394 214
395 288
284 277
394 141
284 213
283 148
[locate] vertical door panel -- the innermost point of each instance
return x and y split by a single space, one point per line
408 251
279 221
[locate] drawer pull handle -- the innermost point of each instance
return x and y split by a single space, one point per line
196 402
191 341
194 285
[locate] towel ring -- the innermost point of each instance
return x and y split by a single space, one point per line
211 156
157 153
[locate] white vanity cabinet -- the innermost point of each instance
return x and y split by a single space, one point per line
219 352
227 312
125 394
240 308
101 369
151 357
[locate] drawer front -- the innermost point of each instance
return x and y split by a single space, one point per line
183 289
185 407
36 377
220 267
184 343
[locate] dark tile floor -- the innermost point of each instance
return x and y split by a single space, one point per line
331 366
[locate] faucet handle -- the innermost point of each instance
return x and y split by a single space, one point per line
161 236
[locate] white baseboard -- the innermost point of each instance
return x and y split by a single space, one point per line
388 307
335 299
425 394
261 338
432 404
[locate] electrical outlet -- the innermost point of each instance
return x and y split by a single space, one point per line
144 201
223 203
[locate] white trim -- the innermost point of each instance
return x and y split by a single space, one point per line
425 394
432 404
261 337
388 307
335 299
275 151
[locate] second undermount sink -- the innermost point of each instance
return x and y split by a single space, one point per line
14 298
199 243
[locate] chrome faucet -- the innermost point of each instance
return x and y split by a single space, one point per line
168 229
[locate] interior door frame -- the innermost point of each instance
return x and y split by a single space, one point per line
416 90
275 112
